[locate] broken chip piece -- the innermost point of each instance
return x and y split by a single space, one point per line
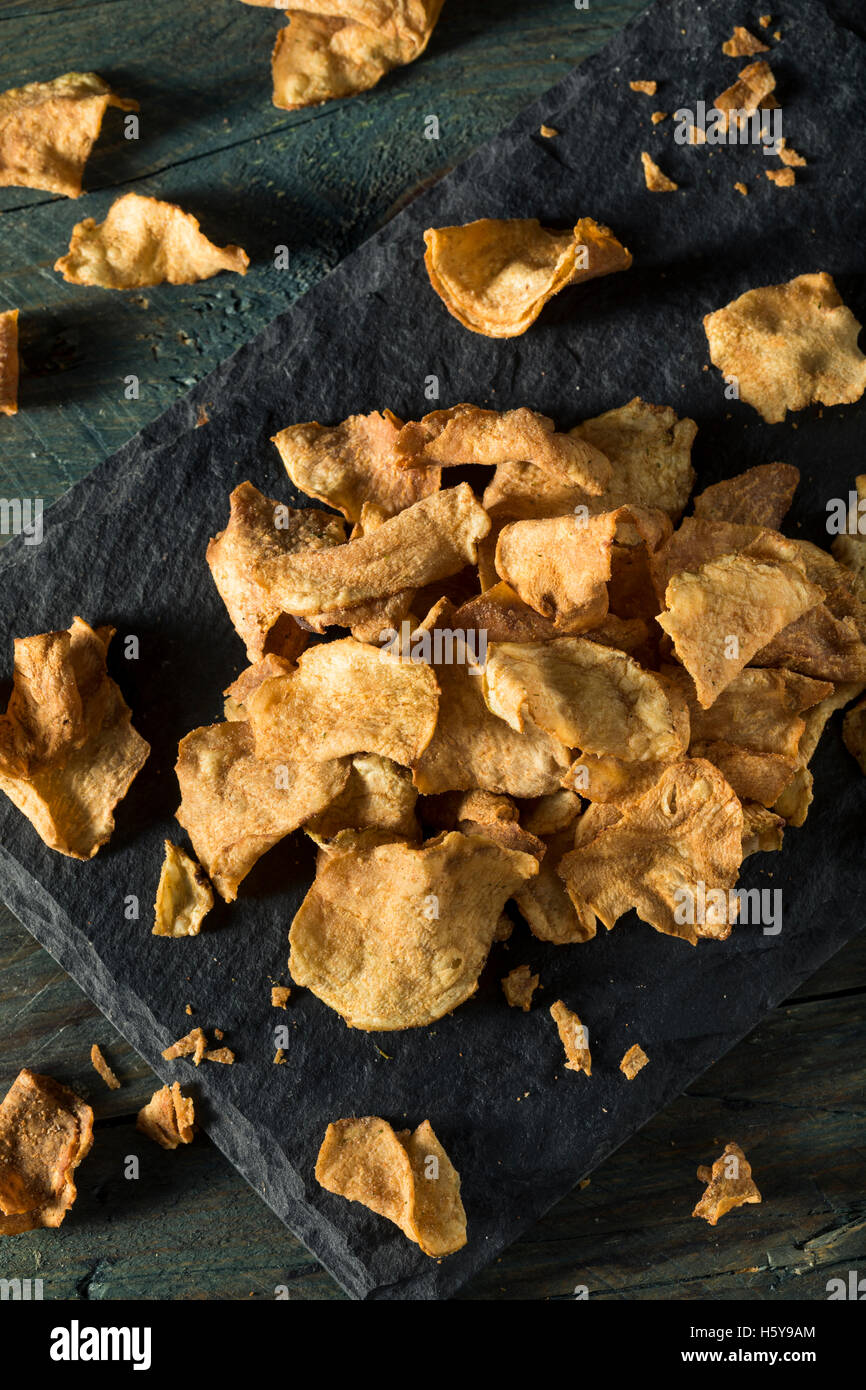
279 996
655 180
393 935
144 242
648 89
633 1061
9 362
787 155
47 130
495 276
752 92
789 346
759 497
742 44
45 1132
99 1064
192 1044
402 1175
336 48
730 1185
782 178
518 986
68 751
574 1038
183 898
168 1118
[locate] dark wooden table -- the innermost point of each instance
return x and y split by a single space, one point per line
320 181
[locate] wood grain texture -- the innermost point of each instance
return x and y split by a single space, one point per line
320 181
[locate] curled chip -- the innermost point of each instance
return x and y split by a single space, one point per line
379 794
482 813
242 559
430 540
335 48
742 44
395 936
99 1064
650 455
68 751
183 898
633 1061
404 1176
236 806
673 854
518 986
574 1038
854 733
495 276
45 1132
545 903
763 830
729 1185
343 698
168 1118
789 346
753 91
144 242
724 612
655 180
588 696
468 434
47 130
560 566
9 362
350 464
759 497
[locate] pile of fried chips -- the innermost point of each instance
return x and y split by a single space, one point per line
45 1132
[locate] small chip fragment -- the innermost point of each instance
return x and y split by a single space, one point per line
782 178
787 155
47 130
574 1038
279 996
45 1132
144 242
658 116
633 1061
742 44
741 188
495 276
765 20
649 89
68 751
9 362
548 131
279 1058
404 1176
655 180
752 92
789 346
99 1064
184 896
730 1185
518 986
220 1054
192 1044
168 1118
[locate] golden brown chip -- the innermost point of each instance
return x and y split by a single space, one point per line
828 641
658 116
574 1038
236 806
481 813
495 276
633 1061
394 936
344 698
560 566
221 1054
763 830
279 996
750 93
352 463
548 131
729 1185
45 1132
742 44
655 180
782 178
789 346
469 434
720 614
192 1044
787 155
379 794
741 188
335 48
518 986
279 1058
242 560
698 540
144 242
759 497
656 852
649 89
68 751
47 130
544 902
650 455
473 748
184 896
547 815
796 799
99 1064
854 733
168 1118
588 696
9 362
247 683
404 1176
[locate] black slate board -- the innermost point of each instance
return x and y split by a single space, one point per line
127 546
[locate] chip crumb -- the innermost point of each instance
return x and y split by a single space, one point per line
656 181
168 1118
648 88
518 986
777 34
279 1058
99 1064
218 1034
548 131
279 996
574 1038
741 188
741 44
633 1061
658 116
730 1185
221 1054
764 20
782 178
194 1043
201 417
188 1009
787 155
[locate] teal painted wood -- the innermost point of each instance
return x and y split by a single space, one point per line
320 181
